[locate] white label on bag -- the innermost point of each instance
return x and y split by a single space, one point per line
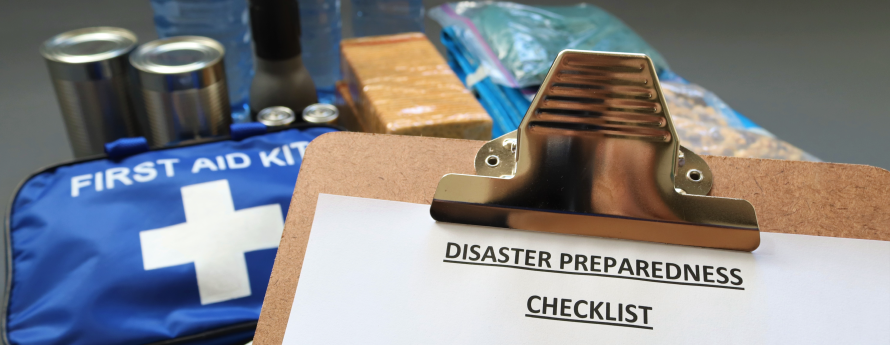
384 272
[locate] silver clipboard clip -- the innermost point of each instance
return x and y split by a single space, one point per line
597 154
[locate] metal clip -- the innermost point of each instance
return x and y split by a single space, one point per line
597 154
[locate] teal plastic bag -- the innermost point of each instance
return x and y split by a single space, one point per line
517 43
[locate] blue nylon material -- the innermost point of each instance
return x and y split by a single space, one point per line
239 338
240 131
77 261
124 147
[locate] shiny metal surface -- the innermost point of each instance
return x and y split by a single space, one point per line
89 45
184 91
276 116
693 174
175 117
89 69
321 113
497 158
504 148
596 154
177 55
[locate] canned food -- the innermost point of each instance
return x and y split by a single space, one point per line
183 85
276 116
89 70
321 113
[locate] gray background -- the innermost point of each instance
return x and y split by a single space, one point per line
814 73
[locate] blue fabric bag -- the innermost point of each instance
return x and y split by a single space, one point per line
169 246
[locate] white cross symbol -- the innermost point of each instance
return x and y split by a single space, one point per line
214 237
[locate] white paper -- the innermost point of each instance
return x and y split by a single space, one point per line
375 272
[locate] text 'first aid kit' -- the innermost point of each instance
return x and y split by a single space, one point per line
171 246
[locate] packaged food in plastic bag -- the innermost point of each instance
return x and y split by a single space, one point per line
399 84
708 126
727 141
503 48
519 42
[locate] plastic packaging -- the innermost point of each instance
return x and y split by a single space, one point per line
399 84
504 104
386 17
523 50
226 21
518 42
320 39
706 125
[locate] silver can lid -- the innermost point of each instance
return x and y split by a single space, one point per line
276 116
89 45
320 113
175 55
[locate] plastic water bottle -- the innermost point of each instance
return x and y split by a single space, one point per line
386 17
320 38
226 21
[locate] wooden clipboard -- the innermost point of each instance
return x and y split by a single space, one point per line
822 199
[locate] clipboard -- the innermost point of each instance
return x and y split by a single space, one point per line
821 199
807 198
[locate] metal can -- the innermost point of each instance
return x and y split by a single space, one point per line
183 83
89 70
321 113
276 116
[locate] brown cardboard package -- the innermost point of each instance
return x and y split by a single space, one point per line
399 84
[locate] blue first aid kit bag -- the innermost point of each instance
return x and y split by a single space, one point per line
168 246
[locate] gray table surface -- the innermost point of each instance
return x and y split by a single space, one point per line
815 73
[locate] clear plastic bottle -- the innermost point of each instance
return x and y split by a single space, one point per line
386 17
226 21
320 39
